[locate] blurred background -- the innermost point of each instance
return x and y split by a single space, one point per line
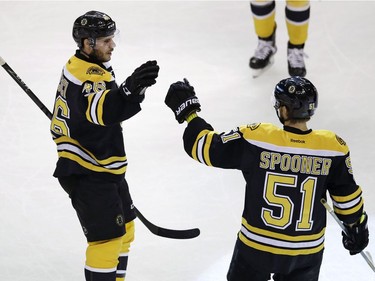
210 43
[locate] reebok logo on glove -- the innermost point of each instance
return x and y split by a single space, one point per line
193 100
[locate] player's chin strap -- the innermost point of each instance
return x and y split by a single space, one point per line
157 230
277 105
282 121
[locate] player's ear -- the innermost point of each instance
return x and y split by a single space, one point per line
284 113
86 45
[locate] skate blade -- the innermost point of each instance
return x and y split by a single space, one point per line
258 72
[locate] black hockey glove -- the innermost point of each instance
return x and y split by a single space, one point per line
357 237
136 84
182 100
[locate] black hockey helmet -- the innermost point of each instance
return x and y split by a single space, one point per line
299 95
92 25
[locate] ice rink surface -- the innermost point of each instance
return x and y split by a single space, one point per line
210 43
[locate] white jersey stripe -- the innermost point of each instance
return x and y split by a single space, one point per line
71 77
84 155
278 243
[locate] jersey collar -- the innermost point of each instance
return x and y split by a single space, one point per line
297 131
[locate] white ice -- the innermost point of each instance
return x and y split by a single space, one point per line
210 43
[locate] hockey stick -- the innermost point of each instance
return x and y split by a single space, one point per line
157 230
366 255
168 233
25 88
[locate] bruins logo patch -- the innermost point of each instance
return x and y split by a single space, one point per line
120 220
253 126
292 89
95 71
340 140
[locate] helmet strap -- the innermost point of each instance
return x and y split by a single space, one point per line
282 121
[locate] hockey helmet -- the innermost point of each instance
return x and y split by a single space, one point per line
92 25
299 95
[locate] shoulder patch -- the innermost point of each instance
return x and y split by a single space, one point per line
229 136
253 126
340 140
93 70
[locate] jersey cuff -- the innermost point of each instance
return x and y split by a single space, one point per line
191 117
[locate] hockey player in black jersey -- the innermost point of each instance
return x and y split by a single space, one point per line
86 127
287 172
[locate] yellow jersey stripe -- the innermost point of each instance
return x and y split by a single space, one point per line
280 251
206 149
100 108
285 237
76 146
350 197
269 136
90 166
94 72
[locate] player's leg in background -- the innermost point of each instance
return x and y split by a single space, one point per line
264 17
297 15
263 13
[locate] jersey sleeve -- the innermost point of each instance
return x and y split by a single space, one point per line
204 145
346 195
109 107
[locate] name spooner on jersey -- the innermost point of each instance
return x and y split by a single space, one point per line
311 165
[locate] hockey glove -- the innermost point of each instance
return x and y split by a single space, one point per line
136 84
357 236
182 100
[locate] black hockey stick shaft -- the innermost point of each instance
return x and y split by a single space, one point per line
160 231
25 88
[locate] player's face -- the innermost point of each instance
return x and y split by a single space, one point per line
104 47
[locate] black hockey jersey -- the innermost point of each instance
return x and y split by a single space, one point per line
86 123
287 172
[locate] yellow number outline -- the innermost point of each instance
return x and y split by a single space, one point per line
61 111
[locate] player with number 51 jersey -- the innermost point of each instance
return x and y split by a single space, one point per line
287 171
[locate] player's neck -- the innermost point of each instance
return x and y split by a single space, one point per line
297 125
